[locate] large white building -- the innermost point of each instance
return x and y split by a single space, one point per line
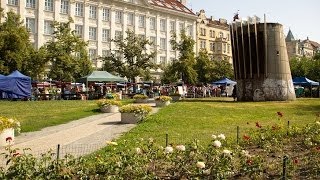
98 21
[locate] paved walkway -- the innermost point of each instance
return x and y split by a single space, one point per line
78 137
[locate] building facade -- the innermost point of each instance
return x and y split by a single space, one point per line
99 21
301 48
214 37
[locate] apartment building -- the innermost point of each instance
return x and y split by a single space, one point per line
214 37
301 48
99 21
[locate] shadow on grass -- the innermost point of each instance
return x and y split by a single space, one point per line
112 123
224 100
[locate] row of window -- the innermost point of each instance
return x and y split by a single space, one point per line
93 14
213 34
225 47
48 30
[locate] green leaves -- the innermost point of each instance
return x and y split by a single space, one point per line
131 58
67 54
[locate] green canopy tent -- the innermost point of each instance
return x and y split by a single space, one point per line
100 76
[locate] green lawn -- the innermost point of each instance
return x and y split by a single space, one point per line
200 118
35 115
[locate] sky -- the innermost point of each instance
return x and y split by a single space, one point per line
302 17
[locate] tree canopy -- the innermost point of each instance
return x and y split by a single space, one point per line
306 67
184 65
15 46
131 58
67 53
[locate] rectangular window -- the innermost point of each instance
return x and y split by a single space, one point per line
105 35
79 30
118 34
93 12
163 43
48 5
163 60
203 44
224 48
130 19
31 3
118 17
79 9
13 2
105 14
152 23
181 26
31 25
106 53
229 47
92 33
141 21
92 54
212 47
221 34
172 26
163 26
64 7
190 30
153 41
48 29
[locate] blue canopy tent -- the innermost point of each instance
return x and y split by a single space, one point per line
15 86
224 81
303 81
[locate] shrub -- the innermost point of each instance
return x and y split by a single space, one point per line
108 102
6 123
139 110
140 96
163 98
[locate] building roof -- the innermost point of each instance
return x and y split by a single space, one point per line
290 36
217 23
315 44
172 5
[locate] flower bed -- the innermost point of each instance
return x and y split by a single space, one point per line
140 98
137 111
261 153
108 106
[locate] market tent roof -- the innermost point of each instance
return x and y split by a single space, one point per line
304 81
15 85
224 81
101 76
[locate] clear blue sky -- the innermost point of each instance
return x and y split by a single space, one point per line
301 16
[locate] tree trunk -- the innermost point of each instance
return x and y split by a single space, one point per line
134 84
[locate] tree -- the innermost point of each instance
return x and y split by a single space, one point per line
204 67
169 75
131 58
183 66
221 68
35 65
15 45
67 53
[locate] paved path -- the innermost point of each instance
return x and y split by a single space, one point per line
78 137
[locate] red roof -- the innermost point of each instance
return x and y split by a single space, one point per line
171 4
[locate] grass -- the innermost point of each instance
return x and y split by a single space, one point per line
200 118
35 115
